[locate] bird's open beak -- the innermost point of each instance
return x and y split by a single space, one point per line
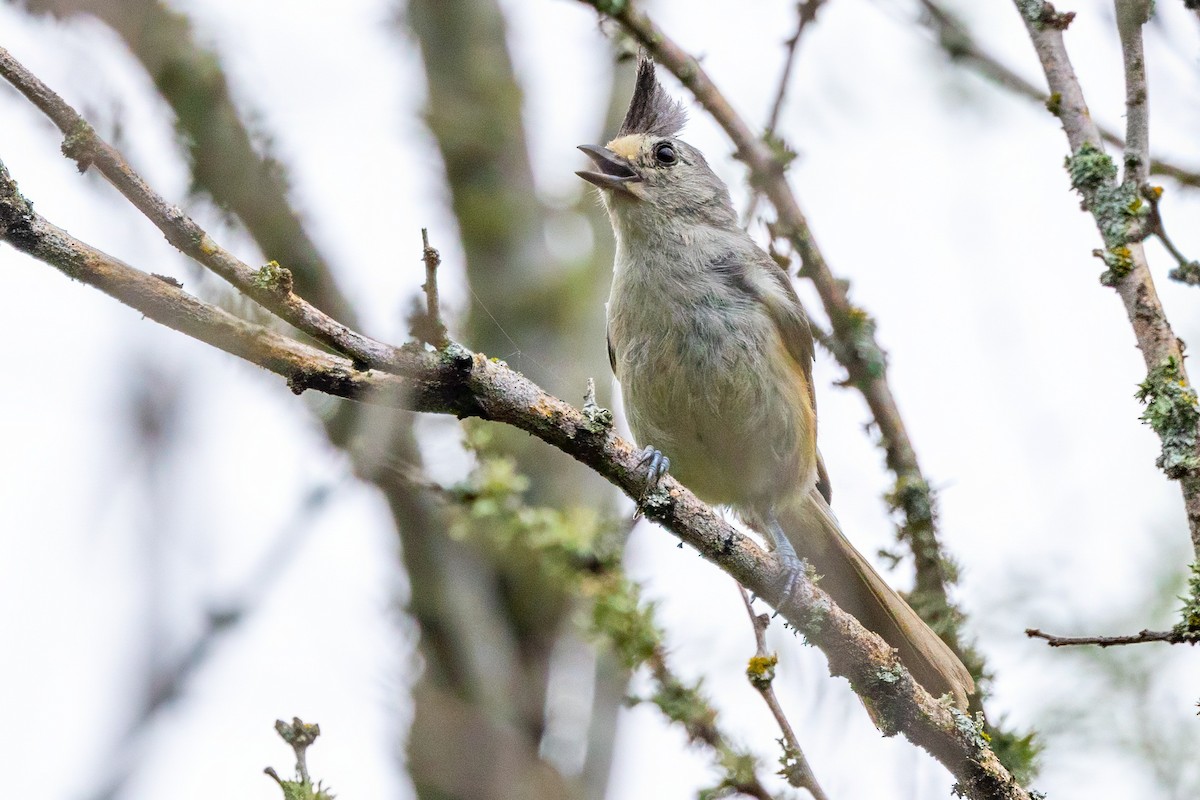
615 172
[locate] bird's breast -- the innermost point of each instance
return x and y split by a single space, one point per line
706 379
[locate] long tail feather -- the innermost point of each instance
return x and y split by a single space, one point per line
855 586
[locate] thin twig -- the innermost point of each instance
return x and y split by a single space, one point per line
761 673
1187 270
1171 637
699 719
456 381
806 13
219 623
429 327
1131 16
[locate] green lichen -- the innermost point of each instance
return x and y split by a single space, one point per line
1090 168
273 278
626 623
1174 414
1054 103
79 145
1188 273
761 671
611 7
1188 627
1119 261
973 728
1119 209
858 330
1032 10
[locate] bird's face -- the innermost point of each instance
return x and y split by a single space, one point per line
648 178
652 180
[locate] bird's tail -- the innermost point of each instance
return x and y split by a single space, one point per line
858 589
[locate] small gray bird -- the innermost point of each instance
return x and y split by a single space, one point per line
714 355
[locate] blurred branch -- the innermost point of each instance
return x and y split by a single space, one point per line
806 14
217 624
1120 215
761 672
961 47
1171 637
224 160
458 382
1187 271
584 554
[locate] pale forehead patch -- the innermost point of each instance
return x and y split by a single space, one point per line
627 146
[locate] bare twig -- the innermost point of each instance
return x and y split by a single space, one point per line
1187 271
684 704
1171 637
1120 217
1131 16
806 13
429 327
761 672
962 47
455 381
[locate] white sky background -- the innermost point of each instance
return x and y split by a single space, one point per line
942 198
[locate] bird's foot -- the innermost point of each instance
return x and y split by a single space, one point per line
791 566
656 465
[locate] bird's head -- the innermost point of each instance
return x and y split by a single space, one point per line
647 177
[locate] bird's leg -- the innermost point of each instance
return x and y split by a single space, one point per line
656 467
789 562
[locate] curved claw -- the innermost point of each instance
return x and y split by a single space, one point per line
656 465
791 565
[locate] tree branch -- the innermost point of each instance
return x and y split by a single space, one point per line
270 286
1120 214
457 382
761 672
1171 637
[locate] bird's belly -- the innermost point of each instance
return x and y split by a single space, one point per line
732 414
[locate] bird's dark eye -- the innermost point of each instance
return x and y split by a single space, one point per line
665 153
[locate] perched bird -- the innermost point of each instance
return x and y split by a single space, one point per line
714 356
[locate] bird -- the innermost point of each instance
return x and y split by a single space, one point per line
714 356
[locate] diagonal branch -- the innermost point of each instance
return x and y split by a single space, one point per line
270 286
761 672
457 382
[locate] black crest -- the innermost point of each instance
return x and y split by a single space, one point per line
651 110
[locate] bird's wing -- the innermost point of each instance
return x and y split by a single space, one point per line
783 304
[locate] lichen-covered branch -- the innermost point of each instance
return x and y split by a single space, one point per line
455 381
1120 212
271 285
761 673
224 160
